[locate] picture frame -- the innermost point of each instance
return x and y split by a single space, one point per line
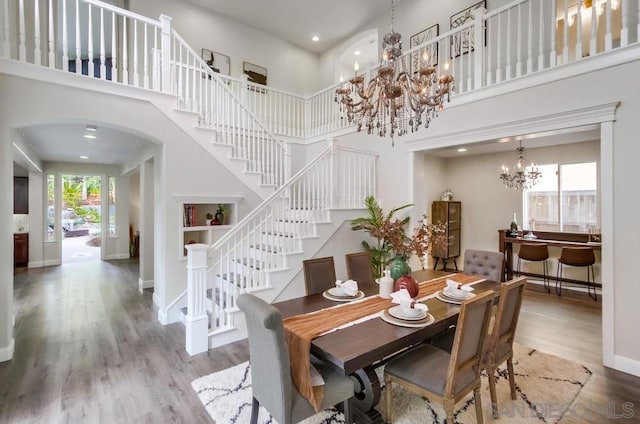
420 38
463 43
217 62
257 74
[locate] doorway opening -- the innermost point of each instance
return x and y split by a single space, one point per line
81 218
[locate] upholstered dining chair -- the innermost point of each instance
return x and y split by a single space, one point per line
359 267
319 274
271 381
484 263
430 371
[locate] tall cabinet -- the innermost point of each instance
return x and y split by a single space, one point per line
448 213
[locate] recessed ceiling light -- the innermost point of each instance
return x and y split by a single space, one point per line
92 128
84 157
462 150
357 52
92 136
315 38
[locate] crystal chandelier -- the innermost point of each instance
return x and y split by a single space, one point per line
524 177
394 101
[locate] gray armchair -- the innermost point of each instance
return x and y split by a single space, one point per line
484 263
271 381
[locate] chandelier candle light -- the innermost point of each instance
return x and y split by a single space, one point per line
524 177
394 101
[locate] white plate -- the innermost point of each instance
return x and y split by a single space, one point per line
339 292
459 295
398 312
329 296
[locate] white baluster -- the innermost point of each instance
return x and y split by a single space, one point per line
90 67
78 45
6 30
65 37
103 64
136 75
22 48
37 53
145 52
490 49
165 43
114 49
475 28
52 56
499 50
579 31
197 322
530 39
155 64
125 53
593 42
638 30
553 56
565 39
608 40
508 50
519 42
541 36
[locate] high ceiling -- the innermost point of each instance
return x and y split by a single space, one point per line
298 20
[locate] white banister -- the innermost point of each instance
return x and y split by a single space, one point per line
553 54
530 38
22 48
125 55
52 55
65 37
136 76
593 42
90 68
578 54
197 327
565 32
6 30
114 49
507 74
78 44
479 42
103 65
608 37
541 36
37 53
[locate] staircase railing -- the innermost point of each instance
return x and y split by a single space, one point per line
202 91
241 261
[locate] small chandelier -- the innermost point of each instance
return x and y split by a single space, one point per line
524 177
394 101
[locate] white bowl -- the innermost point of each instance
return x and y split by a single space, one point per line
462 294
411 312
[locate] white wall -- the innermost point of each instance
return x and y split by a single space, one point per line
288 67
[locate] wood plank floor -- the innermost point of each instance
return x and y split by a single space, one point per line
89 349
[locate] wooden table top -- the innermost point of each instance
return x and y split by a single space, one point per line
355 347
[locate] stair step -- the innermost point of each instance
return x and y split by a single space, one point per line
251 263
267 248
279 234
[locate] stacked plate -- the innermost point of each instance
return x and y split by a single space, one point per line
398 315
338 295
454 296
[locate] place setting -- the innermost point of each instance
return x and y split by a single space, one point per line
406 312
344 291
455 292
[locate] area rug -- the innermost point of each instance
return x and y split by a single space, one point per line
546 389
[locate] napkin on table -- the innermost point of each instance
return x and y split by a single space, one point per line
455 285
350 287
403 298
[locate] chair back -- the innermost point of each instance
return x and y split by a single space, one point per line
533 252
319 274
484 263
577 256
468 343
359 267
504 328
270 367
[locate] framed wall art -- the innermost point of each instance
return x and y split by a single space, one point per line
431 50
462 42
218 62
257 74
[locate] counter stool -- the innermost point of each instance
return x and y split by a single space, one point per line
578 256
535 252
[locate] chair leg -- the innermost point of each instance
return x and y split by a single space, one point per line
512 378
558 277
593 282
255 407
347 411
545 271
478 402
387 383
491 374
448 409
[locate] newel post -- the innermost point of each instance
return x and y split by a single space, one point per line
197 324
479 46
165 45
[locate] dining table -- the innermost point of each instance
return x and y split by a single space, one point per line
358 349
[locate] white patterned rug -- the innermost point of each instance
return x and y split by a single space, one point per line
546 389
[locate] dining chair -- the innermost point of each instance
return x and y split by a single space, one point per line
359 267
271 383
449 377
536 252
484 263
319 274
577 256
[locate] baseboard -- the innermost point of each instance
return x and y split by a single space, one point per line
6 353
144 284
628 365
36 264
51 262
116 257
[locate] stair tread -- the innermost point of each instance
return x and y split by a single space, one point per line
251 263
266 247
279 234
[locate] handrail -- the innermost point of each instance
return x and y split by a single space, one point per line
123 12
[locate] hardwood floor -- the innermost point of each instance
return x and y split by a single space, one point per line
89 349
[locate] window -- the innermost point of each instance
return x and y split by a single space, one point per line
50 230
112 207
565 199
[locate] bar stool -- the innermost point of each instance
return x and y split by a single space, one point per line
577 256
535 252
